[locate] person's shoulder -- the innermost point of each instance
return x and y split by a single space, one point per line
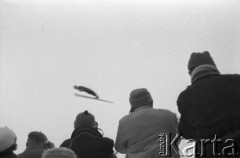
227 79
167 112
108 141
230 76
124 118
184 93
66 143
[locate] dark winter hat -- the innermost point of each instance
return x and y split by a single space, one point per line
197 59
7 138
84 119
37 137
140 97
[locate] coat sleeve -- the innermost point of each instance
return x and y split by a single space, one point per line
121 142
184 127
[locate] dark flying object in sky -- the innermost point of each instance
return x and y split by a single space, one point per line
87 90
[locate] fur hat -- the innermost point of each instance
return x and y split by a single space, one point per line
37 137
59 153
139 97
84 119
197 59
7 138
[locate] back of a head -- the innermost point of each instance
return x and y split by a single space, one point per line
7 138
197 59
37 137
59 153
84 120
140 97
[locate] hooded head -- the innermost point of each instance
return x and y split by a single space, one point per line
197 59
85 120
140 97
201 65
7 138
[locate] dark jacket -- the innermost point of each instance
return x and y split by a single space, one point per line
89 143
209 107
33 151
7 155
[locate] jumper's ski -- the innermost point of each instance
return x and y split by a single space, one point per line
84 96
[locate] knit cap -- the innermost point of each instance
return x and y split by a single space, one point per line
197 59
140 97
7 138
59 153
37 137
84 119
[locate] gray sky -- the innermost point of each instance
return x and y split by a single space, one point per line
113 47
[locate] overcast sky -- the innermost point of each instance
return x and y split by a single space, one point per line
113 47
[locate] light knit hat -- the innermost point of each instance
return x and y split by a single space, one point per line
7 138
139 97
59 153
84 120
197 59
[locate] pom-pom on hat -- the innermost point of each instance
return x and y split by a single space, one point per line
7 138
139 97
84 120
197 59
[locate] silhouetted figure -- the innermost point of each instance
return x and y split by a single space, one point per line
59 153
87 90
138 133
86 141
210 106
35 145
7 143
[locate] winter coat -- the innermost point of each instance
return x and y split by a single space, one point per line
7 155
32 151
209 107
138 133
89 143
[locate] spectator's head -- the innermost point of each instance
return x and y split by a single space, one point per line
85 120
140 97
36 138
197 59
59 153
7 139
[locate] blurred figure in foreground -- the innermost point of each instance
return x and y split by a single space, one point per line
210 107
7 143
59 153
138 132
86 141
35 145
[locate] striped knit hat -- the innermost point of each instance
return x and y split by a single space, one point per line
197 59
139 97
